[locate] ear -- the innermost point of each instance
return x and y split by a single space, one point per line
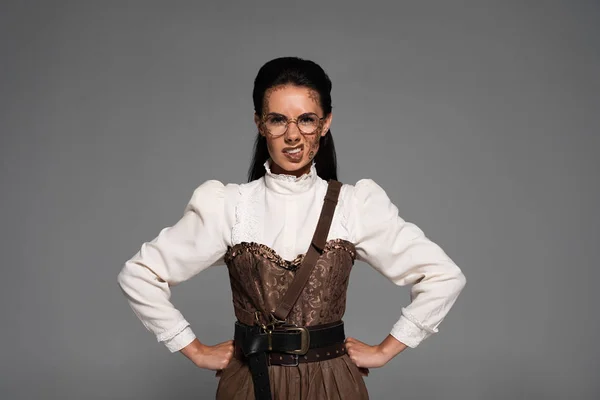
326 124
257 122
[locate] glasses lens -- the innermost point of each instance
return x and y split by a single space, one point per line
308 123
276 125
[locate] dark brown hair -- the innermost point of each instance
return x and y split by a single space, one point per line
299 72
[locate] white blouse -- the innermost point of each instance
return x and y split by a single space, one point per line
281 211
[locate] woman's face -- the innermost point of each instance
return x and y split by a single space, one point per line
290 102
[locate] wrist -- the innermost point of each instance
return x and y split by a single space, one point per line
390 347
194 349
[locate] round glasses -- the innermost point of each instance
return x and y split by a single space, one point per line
277 124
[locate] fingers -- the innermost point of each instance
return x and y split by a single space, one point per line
222 353
224 363
349 343
228 346
350 351
353 347
229 353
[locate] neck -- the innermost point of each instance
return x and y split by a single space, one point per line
289 182
276 169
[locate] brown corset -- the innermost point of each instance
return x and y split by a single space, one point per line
259 277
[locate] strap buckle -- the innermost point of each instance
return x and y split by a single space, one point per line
281 325
304 339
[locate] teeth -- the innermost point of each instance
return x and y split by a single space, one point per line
294 151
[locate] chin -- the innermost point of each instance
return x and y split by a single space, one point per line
292 168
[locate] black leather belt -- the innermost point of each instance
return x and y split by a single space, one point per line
286 345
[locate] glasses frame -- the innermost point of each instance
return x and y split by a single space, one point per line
289 121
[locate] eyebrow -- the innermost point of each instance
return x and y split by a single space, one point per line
283 115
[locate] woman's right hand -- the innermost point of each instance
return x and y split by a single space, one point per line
214 358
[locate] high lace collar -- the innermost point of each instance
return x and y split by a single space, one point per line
289 184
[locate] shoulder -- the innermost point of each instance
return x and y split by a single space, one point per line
364 191
366 203
215 195
212 195
250 186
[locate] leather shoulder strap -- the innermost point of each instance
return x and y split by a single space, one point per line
314 251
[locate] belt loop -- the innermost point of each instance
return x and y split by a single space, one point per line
295 364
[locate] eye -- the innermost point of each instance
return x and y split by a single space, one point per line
308 119
276 120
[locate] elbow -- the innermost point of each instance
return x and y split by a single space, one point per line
124 277
460 280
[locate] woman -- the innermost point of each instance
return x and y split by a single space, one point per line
262 229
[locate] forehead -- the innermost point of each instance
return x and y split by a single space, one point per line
291 99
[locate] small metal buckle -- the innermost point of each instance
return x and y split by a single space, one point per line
304 339
275 322
295 364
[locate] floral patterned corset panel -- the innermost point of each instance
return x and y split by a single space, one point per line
259 278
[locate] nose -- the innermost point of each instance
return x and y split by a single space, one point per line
292 135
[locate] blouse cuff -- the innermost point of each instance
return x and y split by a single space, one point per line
409 331
180 340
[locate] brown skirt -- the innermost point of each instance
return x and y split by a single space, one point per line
338 378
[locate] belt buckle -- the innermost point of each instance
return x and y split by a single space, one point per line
304 339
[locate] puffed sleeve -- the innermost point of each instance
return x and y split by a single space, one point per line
401 252
194 243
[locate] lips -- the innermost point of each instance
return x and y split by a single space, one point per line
292 150
294 153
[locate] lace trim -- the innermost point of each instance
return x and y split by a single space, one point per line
246 218
415 321
339 221
171 333
289 178
182 339
408 333
268 253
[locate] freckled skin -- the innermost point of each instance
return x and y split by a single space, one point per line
292 101
314 96
314 147
267 97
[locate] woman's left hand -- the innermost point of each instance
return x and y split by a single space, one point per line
366 356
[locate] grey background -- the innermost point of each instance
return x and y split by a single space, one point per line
480 119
